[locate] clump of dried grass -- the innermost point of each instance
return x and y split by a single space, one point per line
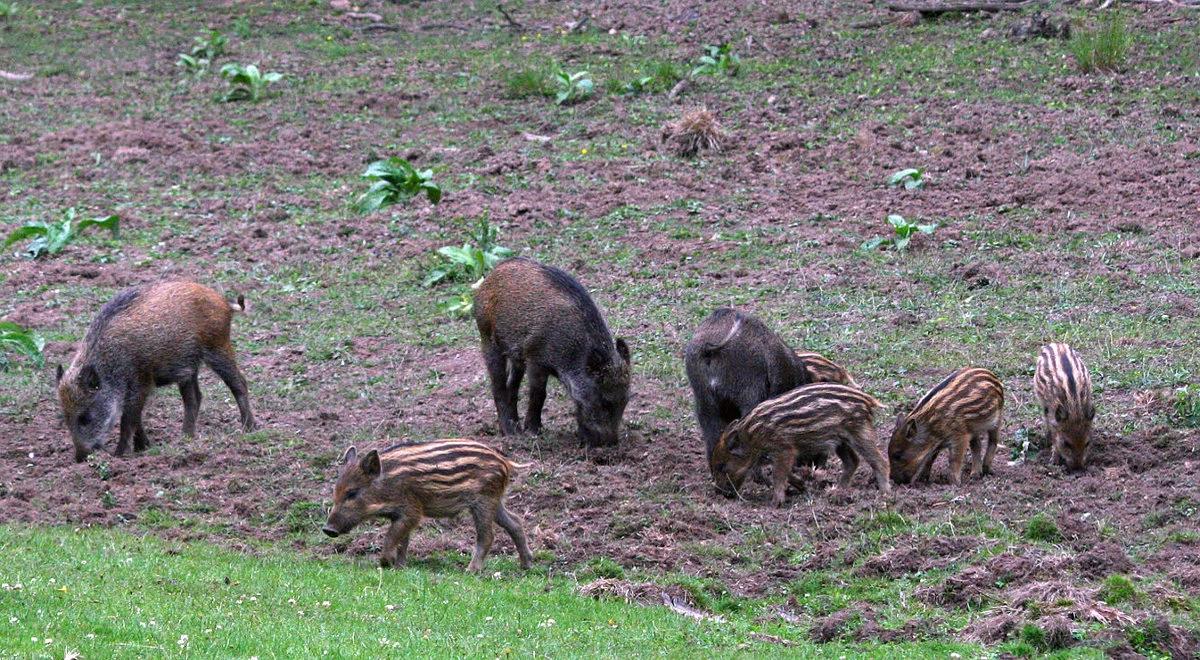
694 132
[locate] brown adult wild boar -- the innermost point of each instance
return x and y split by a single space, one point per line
735 362
805 425
957 414
148 337
408 482
538 318
1064 387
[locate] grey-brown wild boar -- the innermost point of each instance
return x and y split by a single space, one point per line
537 318
1064 387
735 362
805 425
963 411
148 337
408 482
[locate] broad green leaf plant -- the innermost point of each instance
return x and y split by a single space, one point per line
395 180
49 238
15 339
903 233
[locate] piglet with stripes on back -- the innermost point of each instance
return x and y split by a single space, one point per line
411 481
1064 387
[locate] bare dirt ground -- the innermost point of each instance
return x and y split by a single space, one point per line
1067 205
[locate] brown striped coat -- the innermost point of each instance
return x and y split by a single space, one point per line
821 369
407 482
1064 388
956 415
806 425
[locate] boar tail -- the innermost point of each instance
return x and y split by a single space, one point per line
240 305
709 349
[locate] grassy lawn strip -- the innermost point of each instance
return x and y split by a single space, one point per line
104 592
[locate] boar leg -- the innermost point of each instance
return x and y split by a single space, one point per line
927 467
131 416
512 525
958 457
224 363
867 450
395 542
976 455
190 391
849 463
537 398
484 514
992 442
782 463
497 366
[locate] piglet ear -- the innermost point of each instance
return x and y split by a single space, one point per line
58 374
370 464
623 351
734 443
348 456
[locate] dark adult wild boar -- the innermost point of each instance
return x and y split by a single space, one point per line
439 479
961 412
148 337
734 362
1064 387
805 425
538 318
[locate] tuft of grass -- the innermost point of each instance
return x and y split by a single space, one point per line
603 567
695 132
1118 589
1042 527
1104 48
527 82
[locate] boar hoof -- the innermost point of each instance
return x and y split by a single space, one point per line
533 429
250 426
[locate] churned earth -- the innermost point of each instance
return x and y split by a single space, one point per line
1065 203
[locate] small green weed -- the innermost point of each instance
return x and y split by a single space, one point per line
248 83
904 231
603 567
1041 527
49 238
108 500
1187 405
1105 48
396 180
469 263
304 517
572 87
8 10
15 339
637 85
192 65
717 60
210 46
1023 447
912 178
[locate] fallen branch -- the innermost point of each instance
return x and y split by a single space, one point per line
15 77
927 11
512 22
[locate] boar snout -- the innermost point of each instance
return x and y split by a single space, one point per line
330 531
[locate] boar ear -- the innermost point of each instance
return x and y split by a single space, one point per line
1060 414
58 374
90 377
370 464
910 429
597 360
1089 413
734 445
623 351
349 455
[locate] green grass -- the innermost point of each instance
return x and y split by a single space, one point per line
106 592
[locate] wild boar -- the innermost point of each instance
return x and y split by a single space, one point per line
538 318
955 414
148 337
821 369
1064 387
805 425
735 362
408 482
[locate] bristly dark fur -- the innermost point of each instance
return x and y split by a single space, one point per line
111 309
594 322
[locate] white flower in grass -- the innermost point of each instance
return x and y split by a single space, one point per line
548 623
